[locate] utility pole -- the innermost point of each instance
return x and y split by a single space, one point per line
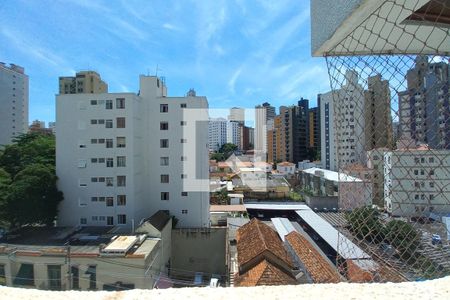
69 268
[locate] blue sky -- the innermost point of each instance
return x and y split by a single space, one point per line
234 52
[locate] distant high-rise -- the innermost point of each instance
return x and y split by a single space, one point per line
377 113
270 111
425 107
234 133
13 101
263 114
217 133
314 131
237 114
342 128
84 82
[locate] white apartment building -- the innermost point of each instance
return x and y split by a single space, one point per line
14 102
234 133
120 157
217 133
417 182
342 125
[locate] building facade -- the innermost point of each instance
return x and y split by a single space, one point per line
82 82
234 133
424 108
14 102
416 182
217 133
121 157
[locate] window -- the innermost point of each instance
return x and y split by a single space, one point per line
121 180
184 158
94 179
94 199
184 211
92 273
431 184
422 172
109 201
93 141
93 102
164 195
121 200
109 143
109 162
164 161
101 199
108 104
431 160
94 218
2 275
164 108
120 122
83 221
164 178
121 161
93 122
431 197
431 172
121 219
121 142
93 160
101 179
416 172
120 103
108 124
416 197
422 159
416 160
82 163
75 277
82 146
183 141
54 277
25 275
183 105
184 194
164 143
109 220
183 123
101 121
101 160
101 141
183 176
109 181
164 126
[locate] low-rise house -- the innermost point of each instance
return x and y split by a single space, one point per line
329 190
286 168
262 259
100 258
213 166
267 167
306 164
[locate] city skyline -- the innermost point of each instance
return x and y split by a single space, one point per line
234 53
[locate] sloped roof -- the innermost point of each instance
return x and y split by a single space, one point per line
285 164
315 264
254 238
159 219
264 273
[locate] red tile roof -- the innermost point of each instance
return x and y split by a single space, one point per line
255 238
264 273
318 268
285 164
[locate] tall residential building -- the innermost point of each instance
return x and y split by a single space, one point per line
251 137
270 110
14 102
424 108
234 133
288 136
217 133
121 157
343 123
377 113
237 114
245 137
263 114
84 82
314 131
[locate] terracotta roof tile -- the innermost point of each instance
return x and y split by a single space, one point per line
316 265
285 164
254 238
264 273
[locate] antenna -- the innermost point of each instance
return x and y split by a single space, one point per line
157 69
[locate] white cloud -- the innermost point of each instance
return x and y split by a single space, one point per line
232 81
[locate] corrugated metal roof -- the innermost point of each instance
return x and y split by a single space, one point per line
276 206
346 248
283 227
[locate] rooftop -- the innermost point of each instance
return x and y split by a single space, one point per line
264 273
331 175
227 208
315 264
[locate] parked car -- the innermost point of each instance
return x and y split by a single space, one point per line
436 239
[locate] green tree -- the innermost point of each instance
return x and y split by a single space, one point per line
27 149
365 224
228 148
5 181
33 197
403 237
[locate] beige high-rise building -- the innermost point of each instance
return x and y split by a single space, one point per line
84 82
378 121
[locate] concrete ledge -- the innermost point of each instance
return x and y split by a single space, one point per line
432 289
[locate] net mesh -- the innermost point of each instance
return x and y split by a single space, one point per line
387 129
